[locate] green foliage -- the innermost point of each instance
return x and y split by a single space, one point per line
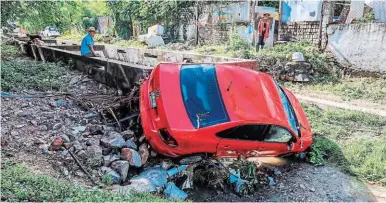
9 51
351 140
35 15
236 43
9 11
283 52
32 75
146 13
367 18
107 179
269 3
18 184
368 159
322 149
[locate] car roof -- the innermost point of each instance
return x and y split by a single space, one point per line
250 96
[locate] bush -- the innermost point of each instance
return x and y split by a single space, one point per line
9 51
32 75
236 43
283 52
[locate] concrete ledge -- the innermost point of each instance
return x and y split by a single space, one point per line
119 67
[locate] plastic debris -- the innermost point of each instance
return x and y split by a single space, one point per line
151 180
235 178
189 172
172 192
271 181
166 164
59 103
6 94
276 172
173 171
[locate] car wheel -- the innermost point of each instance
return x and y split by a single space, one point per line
140 77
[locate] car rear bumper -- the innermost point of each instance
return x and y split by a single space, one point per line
149 128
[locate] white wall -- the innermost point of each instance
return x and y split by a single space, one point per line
361 45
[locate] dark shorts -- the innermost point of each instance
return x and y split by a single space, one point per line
88 55
261 39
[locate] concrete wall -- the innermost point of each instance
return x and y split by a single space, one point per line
119 66
361 46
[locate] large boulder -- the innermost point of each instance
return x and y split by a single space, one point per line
131 156
115 177
113 140
122 167
94 155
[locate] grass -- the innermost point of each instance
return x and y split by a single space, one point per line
353 141
19 184
28 74
9 51
373 89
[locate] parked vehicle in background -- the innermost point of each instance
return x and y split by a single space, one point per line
50 32
222 109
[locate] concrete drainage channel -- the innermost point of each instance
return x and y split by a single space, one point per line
124 157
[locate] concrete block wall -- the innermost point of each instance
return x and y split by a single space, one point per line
300 31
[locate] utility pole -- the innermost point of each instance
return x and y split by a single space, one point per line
279 21
252 18
196 17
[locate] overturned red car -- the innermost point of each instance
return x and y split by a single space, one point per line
223 109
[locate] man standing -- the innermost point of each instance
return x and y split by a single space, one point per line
264 26
87 46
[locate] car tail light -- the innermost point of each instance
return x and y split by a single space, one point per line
167 138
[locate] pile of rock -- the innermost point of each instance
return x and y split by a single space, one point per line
113 152
297 71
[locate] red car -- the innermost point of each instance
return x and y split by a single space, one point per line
223 109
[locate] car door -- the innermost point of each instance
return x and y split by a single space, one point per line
254 140
240 140
277 141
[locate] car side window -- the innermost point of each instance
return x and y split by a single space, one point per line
278 134
245 132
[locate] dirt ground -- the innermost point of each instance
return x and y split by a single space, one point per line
29 125
302 182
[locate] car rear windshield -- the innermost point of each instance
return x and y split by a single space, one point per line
52 29
288 109
202 96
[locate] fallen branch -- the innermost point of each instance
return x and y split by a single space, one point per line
81 167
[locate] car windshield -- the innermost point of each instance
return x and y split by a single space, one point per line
52 29
288 109
202 96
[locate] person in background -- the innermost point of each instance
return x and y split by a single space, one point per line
263 29
87 46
